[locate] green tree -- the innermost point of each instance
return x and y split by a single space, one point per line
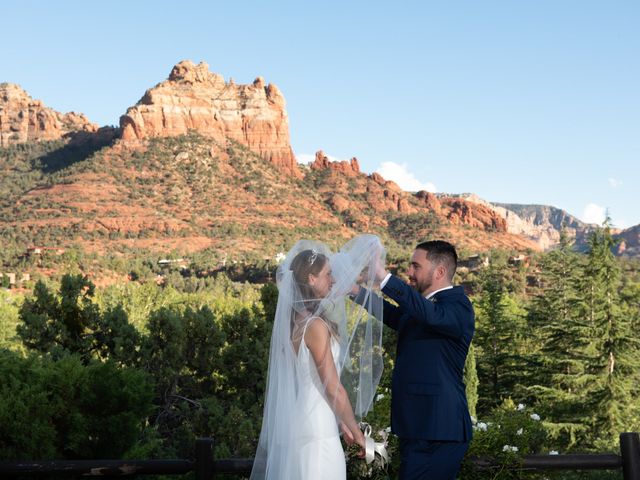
9 307
69 409
471 380
209 367
498 340
615 360
562 338
71 322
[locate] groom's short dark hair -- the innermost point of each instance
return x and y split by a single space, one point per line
439 251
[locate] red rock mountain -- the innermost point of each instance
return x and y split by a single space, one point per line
193 98
200 164
23 119
629 241
369 202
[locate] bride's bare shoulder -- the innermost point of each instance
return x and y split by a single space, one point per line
316 330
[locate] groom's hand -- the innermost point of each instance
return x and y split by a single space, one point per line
381 273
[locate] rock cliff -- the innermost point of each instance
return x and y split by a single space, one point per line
629 242
541 223
350 168
544 223
193 98
347 190
23 119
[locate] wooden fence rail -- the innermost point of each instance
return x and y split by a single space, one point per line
206 467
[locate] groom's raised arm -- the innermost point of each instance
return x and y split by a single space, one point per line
450 321
390 313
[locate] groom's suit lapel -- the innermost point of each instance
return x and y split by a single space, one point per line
407 324
442 295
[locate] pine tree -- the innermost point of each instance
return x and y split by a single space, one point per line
615 346
471 380
497 340
70 321
630 302
563 341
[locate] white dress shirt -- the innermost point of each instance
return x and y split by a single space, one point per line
388 276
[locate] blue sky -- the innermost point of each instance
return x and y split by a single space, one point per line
534 102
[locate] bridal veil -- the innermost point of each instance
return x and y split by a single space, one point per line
356 347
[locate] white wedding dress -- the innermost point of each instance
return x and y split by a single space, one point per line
321 456
300 439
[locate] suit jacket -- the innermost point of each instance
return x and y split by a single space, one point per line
428 394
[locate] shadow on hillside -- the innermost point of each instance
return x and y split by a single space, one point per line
81 145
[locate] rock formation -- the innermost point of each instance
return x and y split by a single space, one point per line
23 119
350 168
629 242
430 201
193 98
347 190
475 215
541 223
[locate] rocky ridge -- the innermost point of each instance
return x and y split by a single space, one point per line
193 98
23 119
370 201
629 241
224 117
541 223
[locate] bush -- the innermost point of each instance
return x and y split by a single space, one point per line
509 433
55 409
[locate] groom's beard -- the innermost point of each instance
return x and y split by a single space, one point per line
424 284
420 287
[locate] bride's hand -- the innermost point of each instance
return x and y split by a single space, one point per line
346 434
359 439
354 436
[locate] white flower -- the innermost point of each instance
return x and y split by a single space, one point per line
388 429
474 420
379 397
553 452
481 426
509 448
535 416
519 432
280 257
520 407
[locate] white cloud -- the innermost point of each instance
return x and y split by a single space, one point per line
615 183
404 178
305 158
594 214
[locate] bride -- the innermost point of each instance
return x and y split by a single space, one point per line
325 361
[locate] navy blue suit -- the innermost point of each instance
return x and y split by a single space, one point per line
429 411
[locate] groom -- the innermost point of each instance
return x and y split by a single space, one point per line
435 324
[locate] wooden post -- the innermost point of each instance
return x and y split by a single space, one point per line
204 466
630 451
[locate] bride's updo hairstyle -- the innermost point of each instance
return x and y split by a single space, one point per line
307 262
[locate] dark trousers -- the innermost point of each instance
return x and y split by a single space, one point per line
430 460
